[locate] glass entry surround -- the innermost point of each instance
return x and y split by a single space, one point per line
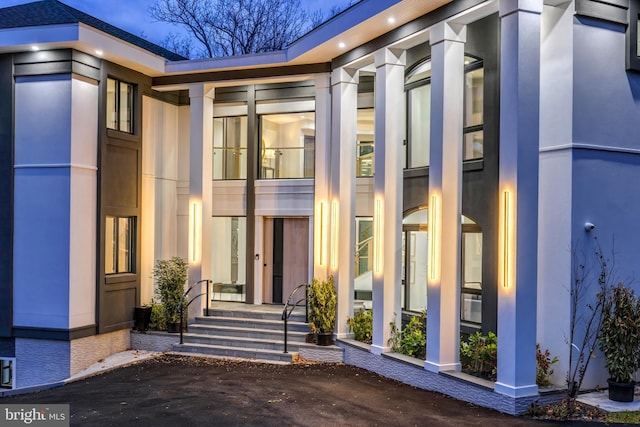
229 259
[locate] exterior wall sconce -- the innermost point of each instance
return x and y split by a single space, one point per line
334 234
507 240
378 236
195 232
320 234
434 237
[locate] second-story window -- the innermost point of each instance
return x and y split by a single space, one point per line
119 106
473 109
287 145
230 148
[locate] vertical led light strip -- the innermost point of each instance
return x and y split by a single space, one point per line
320 234
506 237
377 236
334 234
433 237
194 225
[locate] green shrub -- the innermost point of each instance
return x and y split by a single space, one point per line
361 324
158 321
412 340
321 298
479 355
170 276
544 364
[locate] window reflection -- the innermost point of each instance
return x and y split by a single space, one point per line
287 145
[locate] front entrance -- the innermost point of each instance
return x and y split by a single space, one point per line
286 257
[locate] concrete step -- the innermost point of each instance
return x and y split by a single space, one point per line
242 332
238 352
298 314
255 323
243 342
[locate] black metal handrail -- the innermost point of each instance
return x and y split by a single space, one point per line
185 298
289 307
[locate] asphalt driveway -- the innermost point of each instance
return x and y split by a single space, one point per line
174 390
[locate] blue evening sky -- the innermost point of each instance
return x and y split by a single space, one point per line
132 16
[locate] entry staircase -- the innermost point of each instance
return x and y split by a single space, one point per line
237 330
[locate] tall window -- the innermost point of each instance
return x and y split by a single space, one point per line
229 259
119 238
119 106
473 109
287 145
418 88
471 291
365 142
415 241
230 148
363 272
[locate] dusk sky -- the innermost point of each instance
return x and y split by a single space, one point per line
132 16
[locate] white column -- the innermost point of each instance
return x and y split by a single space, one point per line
322 176
519 147
200 188
387 265
445 196
342 206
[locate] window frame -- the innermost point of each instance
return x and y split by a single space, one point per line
408 87
11 367
117 104
242 149
468 68
132 237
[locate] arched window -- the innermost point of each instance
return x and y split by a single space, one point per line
418 98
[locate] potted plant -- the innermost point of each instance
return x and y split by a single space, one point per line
619 340
142 316
321 298
170 276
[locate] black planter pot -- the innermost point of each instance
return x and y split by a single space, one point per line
173 327
324 338
142 317
621 392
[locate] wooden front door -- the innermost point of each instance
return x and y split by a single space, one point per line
286 262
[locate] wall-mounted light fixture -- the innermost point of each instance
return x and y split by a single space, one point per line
507 241
378 232
334 234
434 236
321 243
195 232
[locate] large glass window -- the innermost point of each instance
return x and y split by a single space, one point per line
471 304
418 87
365 143
119 238
229 258
119 106
287 145
473 109
363 281
230 148
414 261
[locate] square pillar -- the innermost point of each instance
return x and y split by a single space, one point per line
322 181
518 186
200 189
387 261
342 203
445 197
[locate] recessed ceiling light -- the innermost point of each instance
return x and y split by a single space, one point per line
391 20
35 48
342 45
99 52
